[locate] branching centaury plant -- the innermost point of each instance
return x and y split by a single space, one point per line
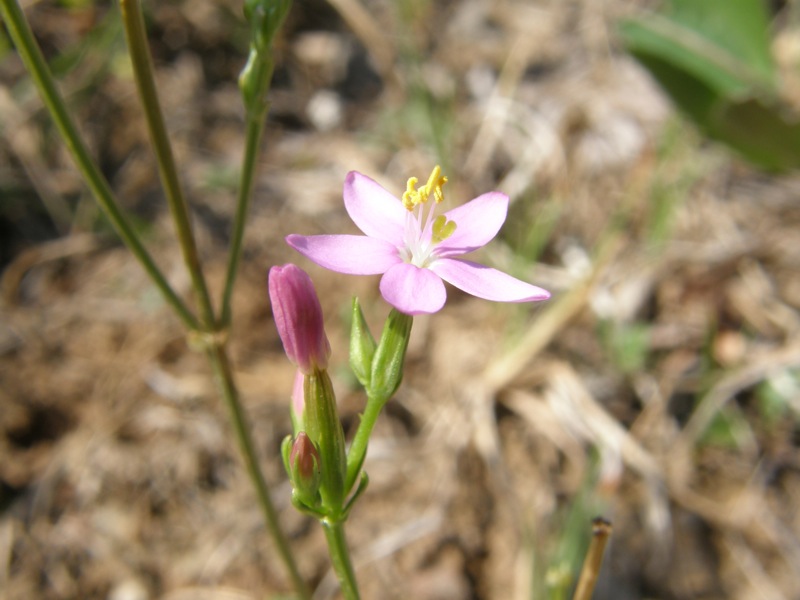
414 250
207 329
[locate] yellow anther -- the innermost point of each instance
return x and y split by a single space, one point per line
434 185
413 196
442 229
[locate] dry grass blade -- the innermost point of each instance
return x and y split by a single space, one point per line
753 574
579 412
496 113
503 369
50 251
759 367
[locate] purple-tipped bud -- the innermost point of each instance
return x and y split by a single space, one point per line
304 457
304 465
298 316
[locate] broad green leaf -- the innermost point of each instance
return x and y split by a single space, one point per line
737 28
713 58
723 43
764 131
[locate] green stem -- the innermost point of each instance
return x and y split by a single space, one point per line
255 128
143 73
31 55
224 376
358 447
340 556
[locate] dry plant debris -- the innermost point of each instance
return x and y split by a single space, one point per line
660 385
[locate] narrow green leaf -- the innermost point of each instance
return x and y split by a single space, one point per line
764 131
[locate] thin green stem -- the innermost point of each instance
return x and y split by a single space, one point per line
224 376
255 129
143 73
36 65
358 447
340 556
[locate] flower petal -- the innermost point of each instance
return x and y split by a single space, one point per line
485 282
374 210
412 290
298 317
477 222
349 254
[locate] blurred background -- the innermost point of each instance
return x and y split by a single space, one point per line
648 149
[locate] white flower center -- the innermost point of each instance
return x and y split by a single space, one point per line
422 231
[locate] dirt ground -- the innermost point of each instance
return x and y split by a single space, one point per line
659 387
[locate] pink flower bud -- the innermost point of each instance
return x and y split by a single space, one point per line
298 317
304 456
304 464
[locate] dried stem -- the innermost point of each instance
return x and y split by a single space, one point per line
601 531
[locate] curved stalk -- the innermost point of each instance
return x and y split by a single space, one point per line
358 447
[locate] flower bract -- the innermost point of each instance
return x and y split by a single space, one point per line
413 248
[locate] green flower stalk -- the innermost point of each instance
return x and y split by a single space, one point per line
379 368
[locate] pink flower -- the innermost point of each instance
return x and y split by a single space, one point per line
298 317
415 250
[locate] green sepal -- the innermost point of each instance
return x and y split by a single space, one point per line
325 430
387 363
311 511
362 346
286 449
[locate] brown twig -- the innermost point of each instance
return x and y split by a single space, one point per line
601 531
